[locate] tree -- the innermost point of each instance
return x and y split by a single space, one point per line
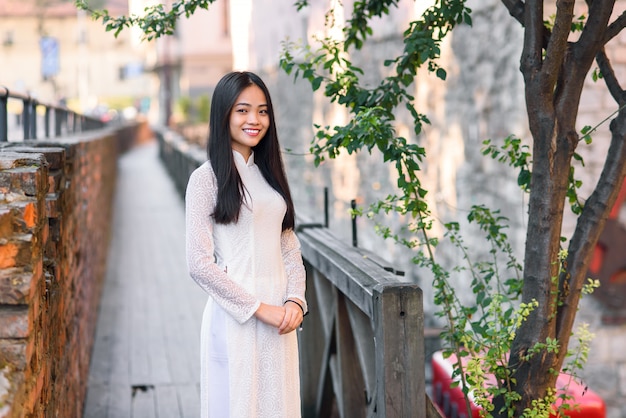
554 69
557 56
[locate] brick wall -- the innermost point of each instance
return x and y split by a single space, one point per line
55 210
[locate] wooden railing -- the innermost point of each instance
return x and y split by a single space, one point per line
362 345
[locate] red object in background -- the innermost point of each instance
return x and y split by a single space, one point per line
586 403
608 264
598 257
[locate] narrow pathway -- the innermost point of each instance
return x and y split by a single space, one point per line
145 360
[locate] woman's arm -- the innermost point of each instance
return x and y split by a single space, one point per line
294 268
200 199
288 317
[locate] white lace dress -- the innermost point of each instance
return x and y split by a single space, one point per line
239 266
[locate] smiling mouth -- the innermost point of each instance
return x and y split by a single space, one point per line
253 132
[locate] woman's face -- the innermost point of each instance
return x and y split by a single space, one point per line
249 120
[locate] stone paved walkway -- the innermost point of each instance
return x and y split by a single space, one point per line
145 360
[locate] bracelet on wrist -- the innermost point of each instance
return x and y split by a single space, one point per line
299 305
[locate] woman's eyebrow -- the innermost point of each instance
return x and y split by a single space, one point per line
249 105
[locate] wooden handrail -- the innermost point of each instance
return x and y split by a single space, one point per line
362 346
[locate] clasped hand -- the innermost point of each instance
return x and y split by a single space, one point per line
286 318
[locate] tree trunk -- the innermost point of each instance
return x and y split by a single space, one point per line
554 71
552 155
551 319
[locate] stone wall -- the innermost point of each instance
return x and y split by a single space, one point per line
482 98
55 209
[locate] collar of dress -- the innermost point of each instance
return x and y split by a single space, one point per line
240 160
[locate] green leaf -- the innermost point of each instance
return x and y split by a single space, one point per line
467 18
596 74
315 83
523 179
578 157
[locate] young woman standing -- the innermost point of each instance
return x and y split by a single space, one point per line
242 250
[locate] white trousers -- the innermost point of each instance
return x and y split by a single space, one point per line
219 396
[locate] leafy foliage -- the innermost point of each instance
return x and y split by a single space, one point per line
374 108
479 334
156 21
515 154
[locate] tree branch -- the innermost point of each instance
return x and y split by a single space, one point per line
589 227
592 37
533 40
557 44
611 81
516 9
615 28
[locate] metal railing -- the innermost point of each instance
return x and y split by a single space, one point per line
56 120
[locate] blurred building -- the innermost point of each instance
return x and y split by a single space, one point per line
55 52
189 63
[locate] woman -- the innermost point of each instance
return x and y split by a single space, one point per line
242 250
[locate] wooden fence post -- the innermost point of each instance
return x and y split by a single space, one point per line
399 330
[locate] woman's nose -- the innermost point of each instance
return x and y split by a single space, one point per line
253 118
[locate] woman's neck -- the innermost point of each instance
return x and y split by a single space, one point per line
245 152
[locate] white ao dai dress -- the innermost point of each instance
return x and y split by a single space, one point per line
248 369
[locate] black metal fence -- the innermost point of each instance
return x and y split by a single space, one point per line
35 119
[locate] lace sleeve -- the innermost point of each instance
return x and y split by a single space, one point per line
199 204
292 258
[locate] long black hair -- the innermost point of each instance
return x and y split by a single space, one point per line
267 154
